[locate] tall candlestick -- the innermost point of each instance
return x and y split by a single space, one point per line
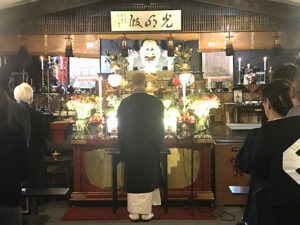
240 60
100 94
48 89
42 65
265 63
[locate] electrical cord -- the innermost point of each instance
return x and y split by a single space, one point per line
198 132
184 171
224 215
183 152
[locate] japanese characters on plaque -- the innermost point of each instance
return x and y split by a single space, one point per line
145 20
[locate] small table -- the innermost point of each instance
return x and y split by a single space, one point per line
115 153
34 193
60 164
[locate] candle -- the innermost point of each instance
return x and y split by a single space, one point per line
209 83
61 63
240 60
183 96
100 87
265 63
42 62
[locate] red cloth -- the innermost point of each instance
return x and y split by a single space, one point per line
105 213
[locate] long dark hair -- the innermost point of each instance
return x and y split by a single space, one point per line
4 111
287 71
278 93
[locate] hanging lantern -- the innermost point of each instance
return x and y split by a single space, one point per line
277 50
22 48
124 47
114 80
186 78
229 47
170 47
69 47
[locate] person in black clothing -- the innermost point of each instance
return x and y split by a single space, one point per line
141 131
13 167
38 137
277 103
19 120
275 162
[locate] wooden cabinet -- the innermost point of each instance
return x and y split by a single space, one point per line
226 175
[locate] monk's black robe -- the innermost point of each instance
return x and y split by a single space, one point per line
140 132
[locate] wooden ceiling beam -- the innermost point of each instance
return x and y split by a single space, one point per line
43 7
259 6
39 8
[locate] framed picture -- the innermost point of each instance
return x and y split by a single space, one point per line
221 70
237 95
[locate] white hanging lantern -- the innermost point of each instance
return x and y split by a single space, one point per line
114 80
186 79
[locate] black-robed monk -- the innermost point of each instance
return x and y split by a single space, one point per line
140 134
141 131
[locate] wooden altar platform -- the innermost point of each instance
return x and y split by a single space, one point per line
86 187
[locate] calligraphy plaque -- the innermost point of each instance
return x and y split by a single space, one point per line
161 20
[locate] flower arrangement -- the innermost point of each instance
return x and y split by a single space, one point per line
83 105
113 103
200 106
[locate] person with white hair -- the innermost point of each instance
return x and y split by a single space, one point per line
23 93
38 137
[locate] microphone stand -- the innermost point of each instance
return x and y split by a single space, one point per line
191 198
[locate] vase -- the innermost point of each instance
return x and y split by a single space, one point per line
202 123
81 128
